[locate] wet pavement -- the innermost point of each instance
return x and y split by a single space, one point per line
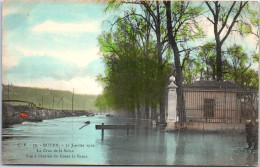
61 141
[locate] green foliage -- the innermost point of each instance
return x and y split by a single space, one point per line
188 71
251 78
245 28
238 67
206 60
238 56
256 58
35 95
130 78
253 13
133 65
185 25
103 101
113 5
251 22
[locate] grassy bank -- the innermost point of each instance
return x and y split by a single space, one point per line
45 97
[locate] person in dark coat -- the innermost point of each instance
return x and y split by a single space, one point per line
252 134
255 135
249 133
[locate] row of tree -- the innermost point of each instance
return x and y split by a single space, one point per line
142 43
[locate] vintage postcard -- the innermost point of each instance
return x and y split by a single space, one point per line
130 82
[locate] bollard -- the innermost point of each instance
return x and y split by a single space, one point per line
102 133
127 130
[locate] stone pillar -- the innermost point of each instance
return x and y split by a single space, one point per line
172 105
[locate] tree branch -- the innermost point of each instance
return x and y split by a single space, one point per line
225 22
233 22
210 8
149 10
210 20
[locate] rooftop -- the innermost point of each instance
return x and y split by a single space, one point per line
213 85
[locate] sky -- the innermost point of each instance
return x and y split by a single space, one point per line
53 44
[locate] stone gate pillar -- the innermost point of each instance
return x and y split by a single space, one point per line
172 105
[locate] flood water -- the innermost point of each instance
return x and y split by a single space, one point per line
61 141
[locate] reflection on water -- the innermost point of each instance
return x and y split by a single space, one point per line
143 146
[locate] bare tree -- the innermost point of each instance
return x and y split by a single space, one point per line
224 17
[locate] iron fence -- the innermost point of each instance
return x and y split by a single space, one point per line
218 106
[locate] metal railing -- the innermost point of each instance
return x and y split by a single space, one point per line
218 106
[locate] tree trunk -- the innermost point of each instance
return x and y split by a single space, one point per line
153 113
173 44
146 109
138 109
219 61
160 67
177 64
162 114
133 110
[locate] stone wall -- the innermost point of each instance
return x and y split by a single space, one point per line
10 113
211 127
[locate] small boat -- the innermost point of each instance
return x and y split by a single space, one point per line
87 122
90 115
17 119
33 119
109 115
23 114
30 118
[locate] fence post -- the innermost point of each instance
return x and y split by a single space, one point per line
172 104
102 135
127 130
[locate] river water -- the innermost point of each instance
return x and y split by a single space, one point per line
61 141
